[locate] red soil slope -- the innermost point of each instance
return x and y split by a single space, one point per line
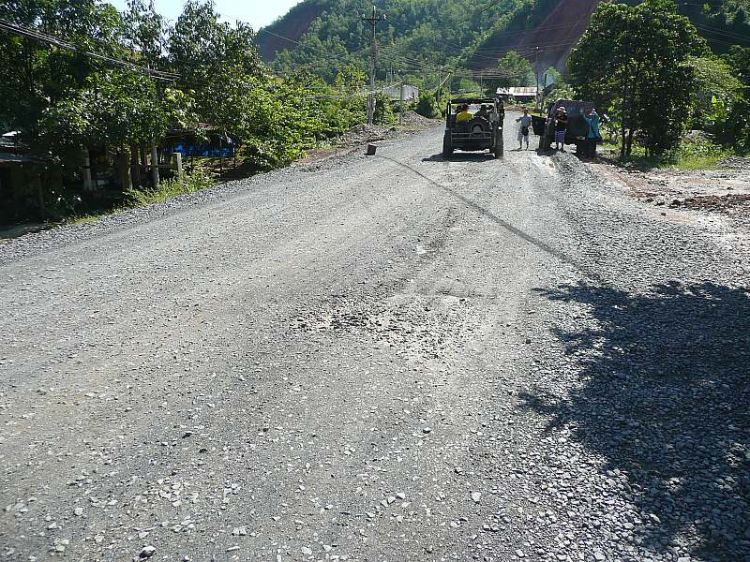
293 27
557 34
554 37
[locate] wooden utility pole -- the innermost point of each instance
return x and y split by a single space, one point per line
538 97
154 153
373 20
401 107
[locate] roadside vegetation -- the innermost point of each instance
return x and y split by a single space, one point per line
82 76
651 72
658 69
196 180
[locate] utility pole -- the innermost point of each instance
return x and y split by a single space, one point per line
154 152
373 20
536 69
401 107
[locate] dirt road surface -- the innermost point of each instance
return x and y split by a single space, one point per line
389 358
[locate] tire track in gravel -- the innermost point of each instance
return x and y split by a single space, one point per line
364 360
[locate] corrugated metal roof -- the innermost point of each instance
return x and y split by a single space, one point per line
8 158
518 91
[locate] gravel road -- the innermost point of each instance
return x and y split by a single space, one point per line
389 358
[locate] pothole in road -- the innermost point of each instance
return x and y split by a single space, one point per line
423 326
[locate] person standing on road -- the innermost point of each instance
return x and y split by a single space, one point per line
523 131
561 127
593 135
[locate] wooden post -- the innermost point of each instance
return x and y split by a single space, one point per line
154 166
178 164
37 182
88 185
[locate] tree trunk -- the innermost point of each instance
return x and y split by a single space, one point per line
144 164
154 165
123 165
630 140
135 169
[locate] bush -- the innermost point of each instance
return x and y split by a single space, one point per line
426 105
696 151
383 111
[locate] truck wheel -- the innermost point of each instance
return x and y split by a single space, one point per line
499 144
447 148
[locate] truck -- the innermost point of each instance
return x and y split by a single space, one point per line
484 131
578 128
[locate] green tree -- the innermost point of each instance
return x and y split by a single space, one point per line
550 76
736 130
37 75
144 32
717 91
635 63
116 108
514 70
201 47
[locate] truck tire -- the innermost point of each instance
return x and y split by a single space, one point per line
447 148
544 143
499 144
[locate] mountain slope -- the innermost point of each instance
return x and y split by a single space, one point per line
422 37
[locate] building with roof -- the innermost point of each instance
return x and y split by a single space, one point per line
524 94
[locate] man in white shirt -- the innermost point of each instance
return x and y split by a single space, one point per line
523 131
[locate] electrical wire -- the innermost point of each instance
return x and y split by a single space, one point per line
35 35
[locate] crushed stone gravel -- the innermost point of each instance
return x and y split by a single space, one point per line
380 358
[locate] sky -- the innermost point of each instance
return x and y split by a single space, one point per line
257 13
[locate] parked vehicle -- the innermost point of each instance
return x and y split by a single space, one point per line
578 128
484 131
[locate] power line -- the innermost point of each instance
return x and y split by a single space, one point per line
35 35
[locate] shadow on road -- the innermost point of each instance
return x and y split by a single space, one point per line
461 157
666 399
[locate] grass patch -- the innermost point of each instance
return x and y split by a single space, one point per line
696 152
200 178
86 219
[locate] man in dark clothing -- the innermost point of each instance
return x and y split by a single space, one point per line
561 127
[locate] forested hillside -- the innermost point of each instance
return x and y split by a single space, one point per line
419 38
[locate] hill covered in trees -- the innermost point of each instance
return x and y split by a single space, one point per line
419 40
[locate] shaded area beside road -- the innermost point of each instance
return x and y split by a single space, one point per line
665 400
